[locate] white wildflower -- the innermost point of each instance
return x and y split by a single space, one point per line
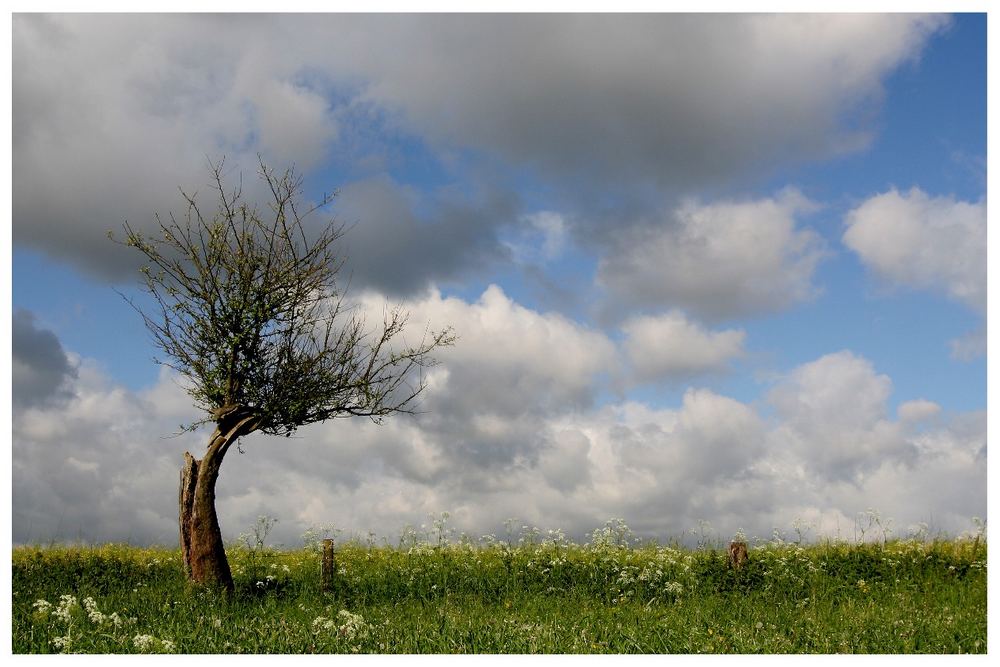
347 625
323 623
354 625
93 613
144 642
42 607
673 588
65 609
63 643
148 643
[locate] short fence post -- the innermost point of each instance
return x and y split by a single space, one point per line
737 554
328 567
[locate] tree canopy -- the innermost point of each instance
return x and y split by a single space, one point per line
249 309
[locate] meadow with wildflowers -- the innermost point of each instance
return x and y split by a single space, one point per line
527 592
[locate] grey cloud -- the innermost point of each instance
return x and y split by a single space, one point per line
39 365
391 249
668 99
566 465
107 125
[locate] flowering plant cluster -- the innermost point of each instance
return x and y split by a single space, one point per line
74 622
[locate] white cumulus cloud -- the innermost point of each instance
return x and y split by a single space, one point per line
719 260
833 411
662 470
918 410
914 240
672 346
512 430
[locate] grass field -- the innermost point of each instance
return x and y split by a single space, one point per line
527 594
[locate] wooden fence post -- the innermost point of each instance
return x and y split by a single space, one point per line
329 566
737 554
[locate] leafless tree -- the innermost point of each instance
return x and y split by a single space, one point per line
249 311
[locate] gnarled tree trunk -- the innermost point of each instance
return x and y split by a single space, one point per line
201 537
202 550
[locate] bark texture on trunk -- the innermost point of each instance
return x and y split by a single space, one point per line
202 550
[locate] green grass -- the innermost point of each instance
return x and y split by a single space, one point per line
533 596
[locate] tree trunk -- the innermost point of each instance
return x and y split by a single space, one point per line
202 550
201 537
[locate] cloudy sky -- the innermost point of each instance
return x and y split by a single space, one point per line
722 268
